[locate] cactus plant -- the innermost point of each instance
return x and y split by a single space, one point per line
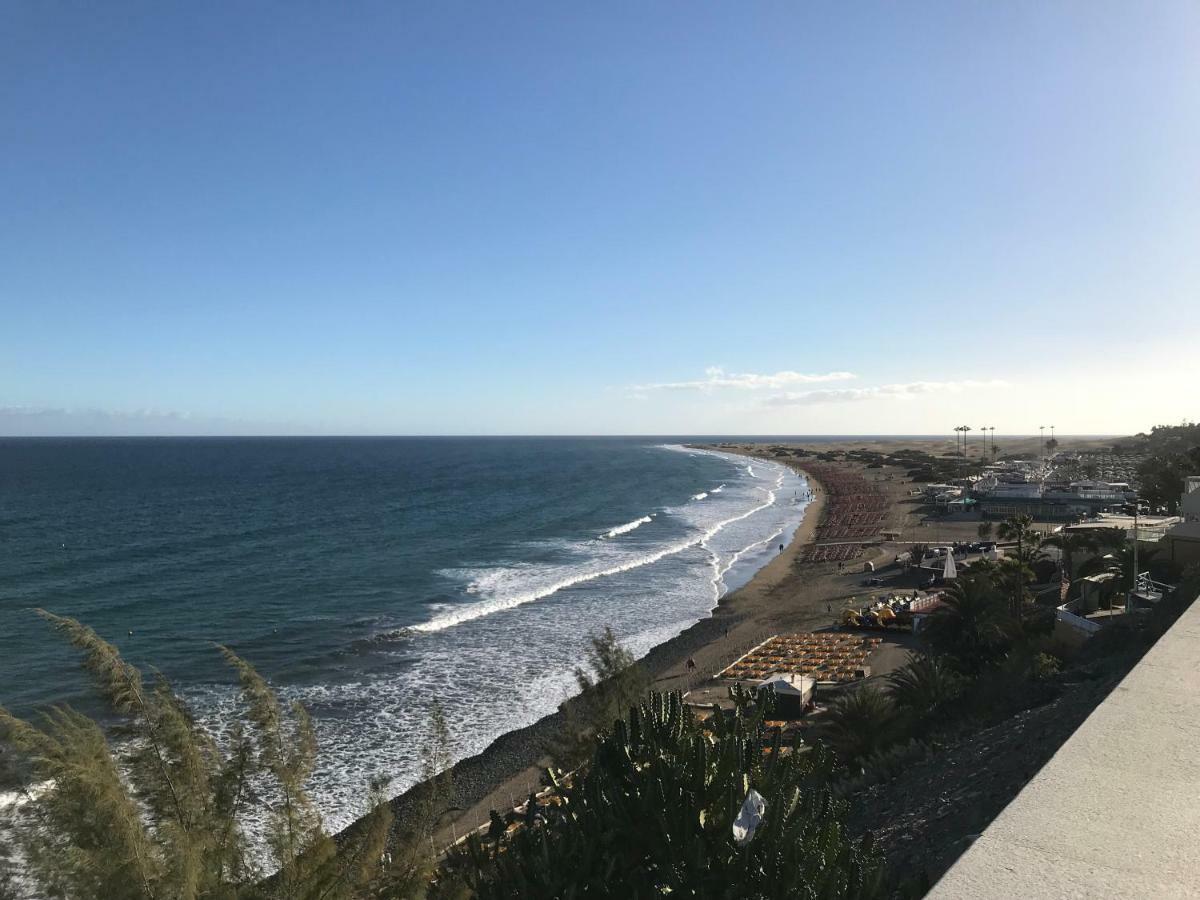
652 813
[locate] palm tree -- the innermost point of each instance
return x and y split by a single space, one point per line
971 625
924 687
916 553
1020 529
859 723
965 429
984 530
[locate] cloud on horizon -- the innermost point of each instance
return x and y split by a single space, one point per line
902 391
716 378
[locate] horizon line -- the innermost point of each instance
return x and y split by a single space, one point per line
278 436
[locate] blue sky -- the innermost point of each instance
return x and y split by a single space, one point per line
598 218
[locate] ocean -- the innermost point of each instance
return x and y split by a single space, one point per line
366 577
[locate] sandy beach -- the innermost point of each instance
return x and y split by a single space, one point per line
787 594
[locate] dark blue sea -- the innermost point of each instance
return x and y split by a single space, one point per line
367 576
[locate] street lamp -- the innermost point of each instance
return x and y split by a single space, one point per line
1137 502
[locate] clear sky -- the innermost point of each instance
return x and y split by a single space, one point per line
598 218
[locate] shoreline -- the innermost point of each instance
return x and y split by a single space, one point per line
503 773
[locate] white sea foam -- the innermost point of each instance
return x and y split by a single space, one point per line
628 527
513 586
718 490
699 496
506 670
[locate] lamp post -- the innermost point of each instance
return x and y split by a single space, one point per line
1134 583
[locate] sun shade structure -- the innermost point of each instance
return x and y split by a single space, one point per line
826 656
951 571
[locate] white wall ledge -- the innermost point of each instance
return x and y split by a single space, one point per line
1116 811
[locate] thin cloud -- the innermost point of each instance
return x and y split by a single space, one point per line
52 412
51 421
717 378
901 391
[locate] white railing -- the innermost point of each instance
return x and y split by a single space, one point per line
1066 614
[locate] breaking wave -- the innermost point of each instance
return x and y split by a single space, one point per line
515 586
628 527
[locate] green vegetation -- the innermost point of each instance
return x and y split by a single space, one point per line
160 809
1019 574
1172 454
165 811
860 723
652 814
973 628
168 816
614 683
988 654
925 690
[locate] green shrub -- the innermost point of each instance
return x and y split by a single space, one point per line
860 722
652 815
166 814
925 689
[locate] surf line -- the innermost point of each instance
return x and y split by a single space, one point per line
483 608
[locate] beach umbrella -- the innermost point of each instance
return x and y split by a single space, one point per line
950 571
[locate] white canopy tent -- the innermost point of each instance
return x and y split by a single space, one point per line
796 687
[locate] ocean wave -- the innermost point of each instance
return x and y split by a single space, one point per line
733 560
493 580
628 526
700 496
718 490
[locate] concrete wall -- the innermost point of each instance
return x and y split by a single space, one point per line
1116 812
